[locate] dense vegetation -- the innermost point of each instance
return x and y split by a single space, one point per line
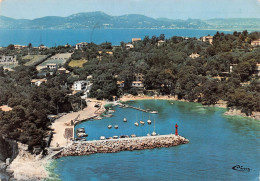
166 70
28 122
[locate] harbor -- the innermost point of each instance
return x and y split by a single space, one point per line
122 144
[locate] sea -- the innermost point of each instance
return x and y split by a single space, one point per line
220 148
52 38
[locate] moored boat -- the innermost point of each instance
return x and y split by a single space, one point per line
133 135
102 137
115 137
136 123
154 133
109 126
125 120
116 126
141 122
154 112
149 121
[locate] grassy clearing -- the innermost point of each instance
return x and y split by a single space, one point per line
33 59
77 63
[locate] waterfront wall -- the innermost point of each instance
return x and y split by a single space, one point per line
122 144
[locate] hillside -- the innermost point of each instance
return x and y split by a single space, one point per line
101 20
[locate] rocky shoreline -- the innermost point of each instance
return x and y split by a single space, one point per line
122 144
236 112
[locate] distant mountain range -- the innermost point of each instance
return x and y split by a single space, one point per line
101 20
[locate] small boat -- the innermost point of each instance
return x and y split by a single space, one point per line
154 133
154 112
82 134
136 123
149 121
116 126
109 126
141 122
81 130
115 137
133 135
148 134
102 137
148 109
125 120
124 136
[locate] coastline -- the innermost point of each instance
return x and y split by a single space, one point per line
220 104
27 166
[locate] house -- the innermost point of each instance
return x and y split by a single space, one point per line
136 40
194 55
38 82
255 42
81 45
231 67
62 70
19 46
5 108
52 66
257 69
129 46
207 39
8 59
120 84
138 84
109 53
42 47
160 42
82 85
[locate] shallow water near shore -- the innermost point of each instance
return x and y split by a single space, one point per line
217 143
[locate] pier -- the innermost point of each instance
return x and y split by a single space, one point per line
137 108
122 144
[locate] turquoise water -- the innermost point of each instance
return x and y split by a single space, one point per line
217 143
115 36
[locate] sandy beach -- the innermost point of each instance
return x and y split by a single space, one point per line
63 122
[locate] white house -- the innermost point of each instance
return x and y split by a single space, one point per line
129 46
82 85
81 45
52 66
137 84
38 82
8 59
160 42
194 55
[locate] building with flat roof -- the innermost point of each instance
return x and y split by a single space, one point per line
136 39
207 39
8 59
255 42
81 45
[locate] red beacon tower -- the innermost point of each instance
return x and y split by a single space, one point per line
176 129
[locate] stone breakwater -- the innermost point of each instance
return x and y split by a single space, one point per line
122 144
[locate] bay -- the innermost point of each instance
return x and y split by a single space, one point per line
217 143
52 38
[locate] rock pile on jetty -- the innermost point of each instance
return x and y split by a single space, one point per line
122 144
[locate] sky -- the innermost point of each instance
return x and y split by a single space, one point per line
173 9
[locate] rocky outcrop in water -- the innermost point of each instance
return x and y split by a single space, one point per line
123 144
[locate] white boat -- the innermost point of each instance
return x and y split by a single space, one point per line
109 126
115 137
102 137
116 126
149 121
136 123
148 134
133 135
154 112
125 120
141 122
154 133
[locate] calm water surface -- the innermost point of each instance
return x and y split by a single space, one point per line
217 143
115 36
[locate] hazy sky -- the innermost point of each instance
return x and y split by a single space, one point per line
174 9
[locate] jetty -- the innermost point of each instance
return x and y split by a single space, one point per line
137 108
122 144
